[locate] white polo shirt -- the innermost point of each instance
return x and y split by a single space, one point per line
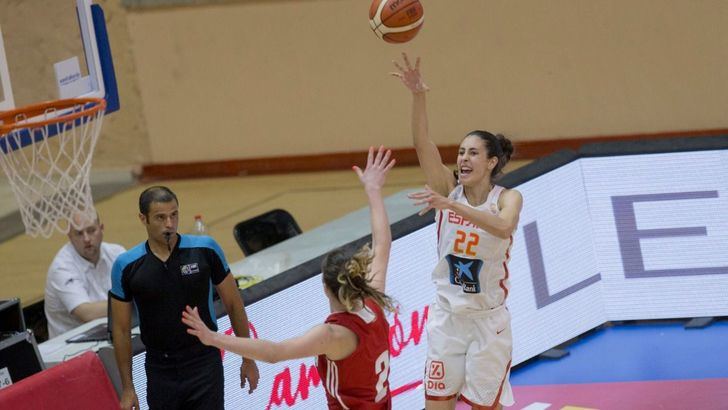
72 280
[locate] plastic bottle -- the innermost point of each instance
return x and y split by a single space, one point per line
199 226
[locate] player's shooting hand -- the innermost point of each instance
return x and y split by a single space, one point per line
191 318
430 199
376 170
249 371
410 77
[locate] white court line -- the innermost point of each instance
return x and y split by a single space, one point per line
537 406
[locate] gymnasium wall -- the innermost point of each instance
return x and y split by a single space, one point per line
254 79
267 78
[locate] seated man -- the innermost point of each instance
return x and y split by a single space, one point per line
79 278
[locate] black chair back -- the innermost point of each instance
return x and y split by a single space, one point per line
262 231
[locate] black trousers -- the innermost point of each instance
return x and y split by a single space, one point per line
190 379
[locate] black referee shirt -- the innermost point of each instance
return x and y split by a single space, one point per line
161 290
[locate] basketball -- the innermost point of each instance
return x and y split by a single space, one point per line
396 21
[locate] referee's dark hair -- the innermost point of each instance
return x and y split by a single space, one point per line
155 194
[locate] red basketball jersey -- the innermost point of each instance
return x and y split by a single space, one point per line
360 381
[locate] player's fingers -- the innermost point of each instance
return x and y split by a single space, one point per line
358 171
391 164
192 324
370 157
406 61
421 202
417 64
399 67
385 158
380 155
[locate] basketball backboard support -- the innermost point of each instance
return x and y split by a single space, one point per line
55 50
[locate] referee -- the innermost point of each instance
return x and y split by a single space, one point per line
161 276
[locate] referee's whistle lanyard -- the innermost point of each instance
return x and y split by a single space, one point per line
168 237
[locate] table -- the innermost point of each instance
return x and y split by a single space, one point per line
56 350
316 242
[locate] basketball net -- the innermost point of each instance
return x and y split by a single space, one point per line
46 151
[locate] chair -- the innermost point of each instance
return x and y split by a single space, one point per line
262 231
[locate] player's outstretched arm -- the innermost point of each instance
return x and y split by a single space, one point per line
438 176
373 178
321 339
501 225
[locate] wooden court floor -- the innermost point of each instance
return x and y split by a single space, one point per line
312 198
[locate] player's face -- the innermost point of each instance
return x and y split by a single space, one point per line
87 240
161 220
473 163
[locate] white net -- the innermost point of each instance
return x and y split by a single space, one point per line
46 153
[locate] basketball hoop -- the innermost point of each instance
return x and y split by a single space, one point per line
46 151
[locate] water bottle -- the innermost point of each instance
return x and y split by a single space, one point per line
199 227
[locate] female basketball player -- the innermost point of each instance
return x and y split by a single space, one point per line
469 331
353 344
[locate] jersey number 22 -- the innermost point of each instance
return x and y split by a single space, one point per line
463 247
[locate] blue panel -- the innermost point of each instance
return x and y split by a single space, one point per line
635 352
107 64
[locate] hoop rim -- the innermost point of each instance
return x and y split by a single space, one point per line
8 119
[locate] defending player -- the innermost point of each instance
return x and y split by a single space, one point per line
353 344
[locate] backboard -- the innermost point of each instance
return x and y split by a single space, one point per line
56 82
51 50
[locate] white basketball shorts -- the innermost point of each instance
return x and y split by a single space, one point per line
469 355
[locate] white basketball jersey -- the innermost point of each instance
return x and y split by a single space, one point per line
472 273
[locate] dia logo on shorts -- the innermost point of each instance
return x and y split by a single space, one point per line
434 385
437 370
435 374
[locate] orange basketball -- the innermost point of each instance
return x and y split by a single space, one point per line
396 21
